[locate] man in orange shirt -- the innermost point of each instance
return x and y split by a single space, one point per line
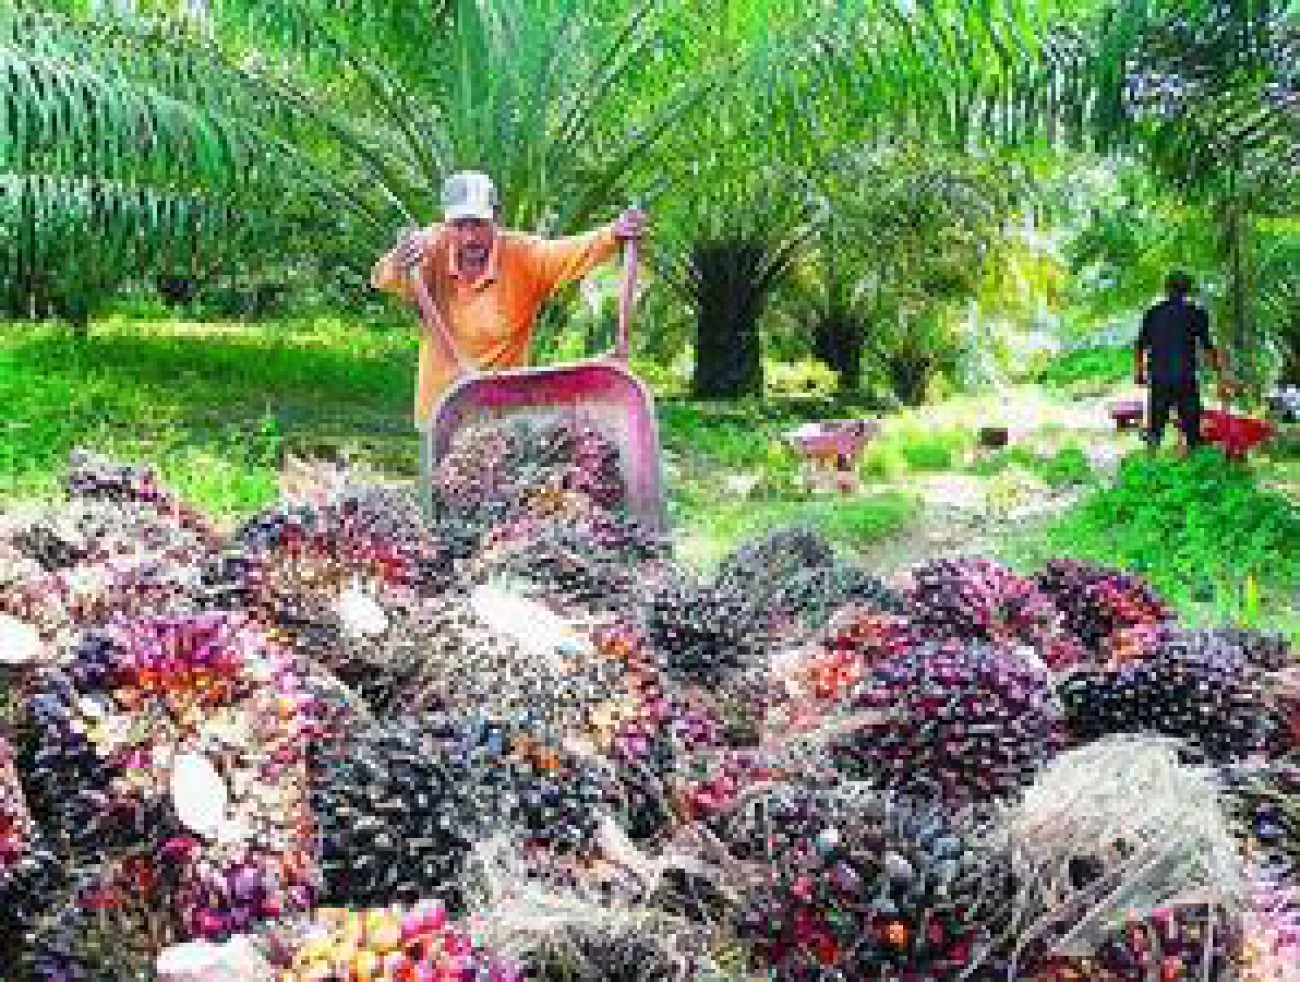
487 282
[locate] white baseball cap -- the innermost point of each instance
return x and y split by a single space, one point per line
469 194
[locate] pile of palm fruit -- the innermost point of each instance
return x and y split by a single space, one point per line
516 740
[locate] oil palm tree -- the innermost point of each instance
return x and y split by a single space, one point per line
357 109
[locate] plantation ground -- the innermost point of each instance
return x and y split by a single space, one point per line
217 407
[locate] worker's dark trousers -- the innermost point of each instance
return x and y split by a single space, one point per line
1185 398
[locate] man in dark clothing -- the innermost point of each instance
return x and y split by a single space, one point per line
1173 332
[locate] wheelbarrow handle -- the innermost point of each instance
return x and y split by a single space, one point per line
626 301
434 323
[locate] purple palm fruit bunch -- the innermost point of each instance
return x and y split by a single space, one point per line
92 477
394 824
1196 686
863 885
981 600
952 723
90 932
1098 603
30 874
478 468
854 643
814 597
334 542
704 633
217 893
334 582
765 564
107 727
599 955
587 460
794 573
597 561
16 827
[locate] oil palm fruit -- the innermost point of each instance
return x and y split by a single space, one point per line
952 723
865 885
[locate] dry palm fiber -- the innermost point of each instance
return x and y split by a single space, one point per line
1121 832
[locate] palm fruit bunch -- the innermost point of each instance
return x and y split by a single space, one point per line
1183 943
47 542
596 560
763 565
1100 605
468 666
708 785
635 951
704 633
309 547
815 596
1269 651
401 803
478 470
980 600
498 464
29 873
854 643
951 723
794 572
863 885
139 698
330 581
64 571
93 932
393 823
399 942
1193 687
647 729
586 461
92 477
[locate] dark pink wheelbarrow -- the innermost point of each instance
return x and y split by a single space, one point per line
831 449
602 392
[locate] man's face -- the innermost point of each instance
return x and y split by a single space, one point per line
472 239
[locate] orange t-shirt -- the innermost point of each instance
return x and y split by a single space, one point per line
492 319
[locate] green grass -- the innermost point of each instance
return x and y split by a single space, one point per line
913 447
1089 368
710 529
1198 529
212 406
1065 467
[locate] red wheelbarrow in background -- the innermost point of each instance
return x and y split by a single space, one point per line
602 393
1237 435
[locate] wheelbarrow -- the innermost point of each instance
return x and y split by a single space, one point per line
603 393
1127 414
832 447
1237 435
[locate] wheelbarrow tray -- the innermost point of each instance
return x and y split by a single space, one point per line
603 394
1237 435
836 437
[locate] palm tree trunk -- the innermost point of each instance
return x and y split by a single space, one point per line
838 342
1242 336
728 350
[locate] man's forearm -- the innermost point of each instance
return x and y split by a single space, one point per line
388 277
